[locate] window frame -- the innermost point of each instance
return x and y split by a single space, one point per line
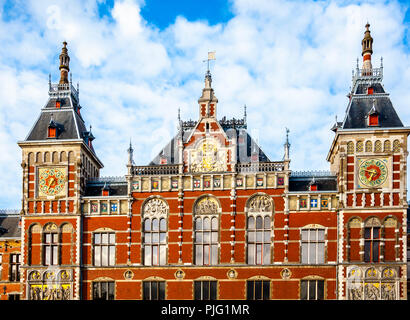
152 245
206 248
254 286
310 288
104 248
205 290
315 243
161 289
109 285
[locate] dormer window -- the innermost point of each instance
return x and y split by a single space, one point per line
370 90
313 187
52 132
374 119
105 193
58 104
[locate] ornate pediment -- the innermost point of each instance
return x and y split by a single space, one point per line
208 156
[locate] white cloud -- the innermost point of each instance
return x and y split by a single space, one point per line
290 62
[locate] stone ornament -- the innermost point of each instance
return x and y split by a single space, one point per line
179 274
155 207
260 203
285 274
206 205
232 274
128 275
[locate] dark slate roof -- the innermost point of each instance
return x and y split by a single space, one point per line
67 121
362 88
303 182
70 124
246 146
360 107
94 189
9 226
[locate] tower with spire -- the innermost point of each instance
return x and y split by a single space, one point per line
369 156
57 160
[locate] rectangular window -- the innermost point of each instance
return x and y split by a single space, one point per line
58 104
103 290
312 246
14 274
50 249
104 249
372 244
153 290
373 120
312 289
52 132
258 290
205 290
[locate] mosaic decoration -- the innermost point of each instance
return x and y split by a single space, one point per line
259 182
239 182
174 184
207 183
104 207
197 183
324 203
302 203
313 203
94 207
155 185
135 185
114 207
217 182
281 181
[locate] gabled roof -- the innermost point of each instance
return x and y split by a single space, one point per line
246 146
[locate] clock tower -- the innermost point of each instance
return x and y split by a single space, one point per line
369 155
57 159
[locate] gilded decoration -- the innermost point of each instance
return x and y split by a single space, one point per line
128 275
285 273
179 274
50 285
155 207
207 205
260 203
232 274
372 283
208 157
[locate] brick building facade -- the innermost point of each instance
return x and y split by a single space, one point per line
212 217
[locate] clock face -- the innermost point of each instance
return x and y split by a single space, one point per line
372 172
51 181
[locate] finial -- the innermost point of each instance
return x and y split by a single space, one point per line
179 114
64 64
49 81
381 62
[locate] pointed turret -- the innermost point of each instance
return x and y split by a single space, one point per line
64 64
367 49
207 102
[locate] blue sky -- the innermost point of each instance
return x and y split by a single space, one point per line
138 61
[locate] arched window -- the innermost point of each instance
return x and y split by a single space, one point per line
387 146
378 146
368 146
396 146
359 146
155 215
259 230
350 147
206 228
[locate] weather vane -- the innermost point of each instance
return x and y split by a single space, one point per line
211 56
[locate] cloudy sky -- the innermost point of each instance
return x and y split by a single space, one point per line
138 61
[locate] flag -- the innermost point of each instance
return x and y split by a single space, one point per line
211 55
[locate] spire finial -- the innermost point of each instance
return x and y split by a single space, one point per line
64 64
367 48
287 145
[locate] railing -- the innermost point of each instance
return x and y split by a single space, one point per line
260 167
107 179
155 170
368 73
319 173
62 90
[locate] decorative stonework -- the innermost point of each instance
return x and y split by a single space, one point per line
208 156
260 203
285 274
206 205
155 207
